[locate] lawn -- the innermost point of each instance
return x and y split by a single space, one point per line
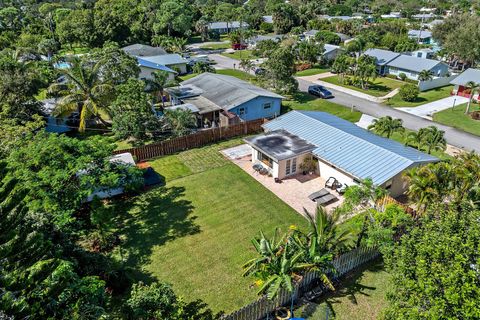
239 54
304 101
195 231
229 72
312 71
378 88
216 46
423 97
360 297
458 119
400 137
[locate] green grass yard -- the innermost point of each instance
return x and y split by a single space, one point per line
195 231
229 72
458 119
239 54
312 71
304 101
424 97
216 46
378 88
361 296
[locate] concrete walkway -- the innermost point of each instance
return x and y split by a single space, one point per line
317 80
427 110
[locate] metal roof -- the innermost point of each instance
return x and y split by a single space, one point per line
143 50
280 144
268 19
330 47
413 63
149 64
203 104
348 147
466 76
423 34
185 106
382 56
167 59
226 91
223 25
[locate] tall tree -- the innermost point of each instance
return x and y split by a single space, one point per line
174 17
280 69
285 18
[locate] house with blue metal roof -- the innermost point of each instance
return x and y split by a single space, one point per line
148 67
343 150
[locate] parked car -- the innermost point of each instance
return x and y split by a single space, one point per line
320 91
239 46
259 71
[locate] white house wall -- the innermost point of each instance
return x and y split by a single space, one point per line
146 73
327 171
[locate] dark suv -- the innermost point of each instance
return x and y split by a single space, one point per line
320 91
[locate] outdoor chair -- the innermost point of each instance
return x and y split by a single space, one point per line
332 183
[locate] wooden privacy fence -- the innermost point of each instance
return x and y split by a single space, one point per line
195 140
382 203
263 306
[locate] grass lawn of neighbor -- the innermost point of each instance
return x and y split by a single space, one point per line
312 71
458 119
229 72
424 97
194 232
216 46
304 101
378 88
239 54
361 296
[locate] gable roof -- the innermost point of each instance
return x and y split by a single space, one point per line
312 32
413 63
348 147
149 64
226 91
382 57
330 48
166 59
423 34
466 76
223 25
142 50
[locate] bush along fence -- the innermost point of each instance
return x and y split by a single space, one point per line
194 140
263 306
385 201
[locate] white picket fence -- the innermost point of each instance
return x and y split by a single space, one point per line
263 306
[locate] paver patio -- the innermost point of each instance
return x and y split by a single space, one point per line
294 190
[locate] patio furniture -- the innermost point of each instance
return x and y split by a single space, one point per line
326 199
333 183
277 180
257 167
342 189
318 194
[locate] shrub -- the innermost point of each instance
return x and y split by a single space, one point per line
266 27
402 76
409 92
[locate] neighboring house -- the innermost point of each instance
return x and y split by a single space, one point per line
423 16
148 67
343 150
54 124
268 19
422 36
253 41
382 58
331 52
343 37
425 53
173 61
310 34
461 81
391 15
223 100
412 66
142 50
225 27
434 23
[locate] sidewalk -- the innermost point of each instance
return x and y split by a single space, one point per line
316 79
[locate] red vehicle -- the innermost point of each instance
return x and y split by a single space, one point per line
239 46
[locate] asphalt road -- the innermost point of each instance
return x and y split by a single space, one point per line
454 137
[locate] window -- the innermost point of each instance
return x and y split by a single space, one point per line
419 54
242 111
267 105
265 159
287 169
294 165
388 184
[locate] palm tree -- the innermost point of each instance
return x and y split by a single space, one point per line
473 87
158 83
246 65
180 121
386 126
416 138
177 45
341 65
85 92
434 139
425 75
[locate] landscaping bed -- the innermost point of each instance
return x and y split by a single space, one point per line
377 88
458 119
423 98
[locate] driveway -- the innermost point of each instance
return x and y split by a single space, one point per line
223 62
427 110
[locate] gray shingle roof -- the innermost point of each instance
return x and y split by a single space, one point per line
226 91
466 76
424 34
330 47
382 56
142 50
413 63
348 147
166 59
